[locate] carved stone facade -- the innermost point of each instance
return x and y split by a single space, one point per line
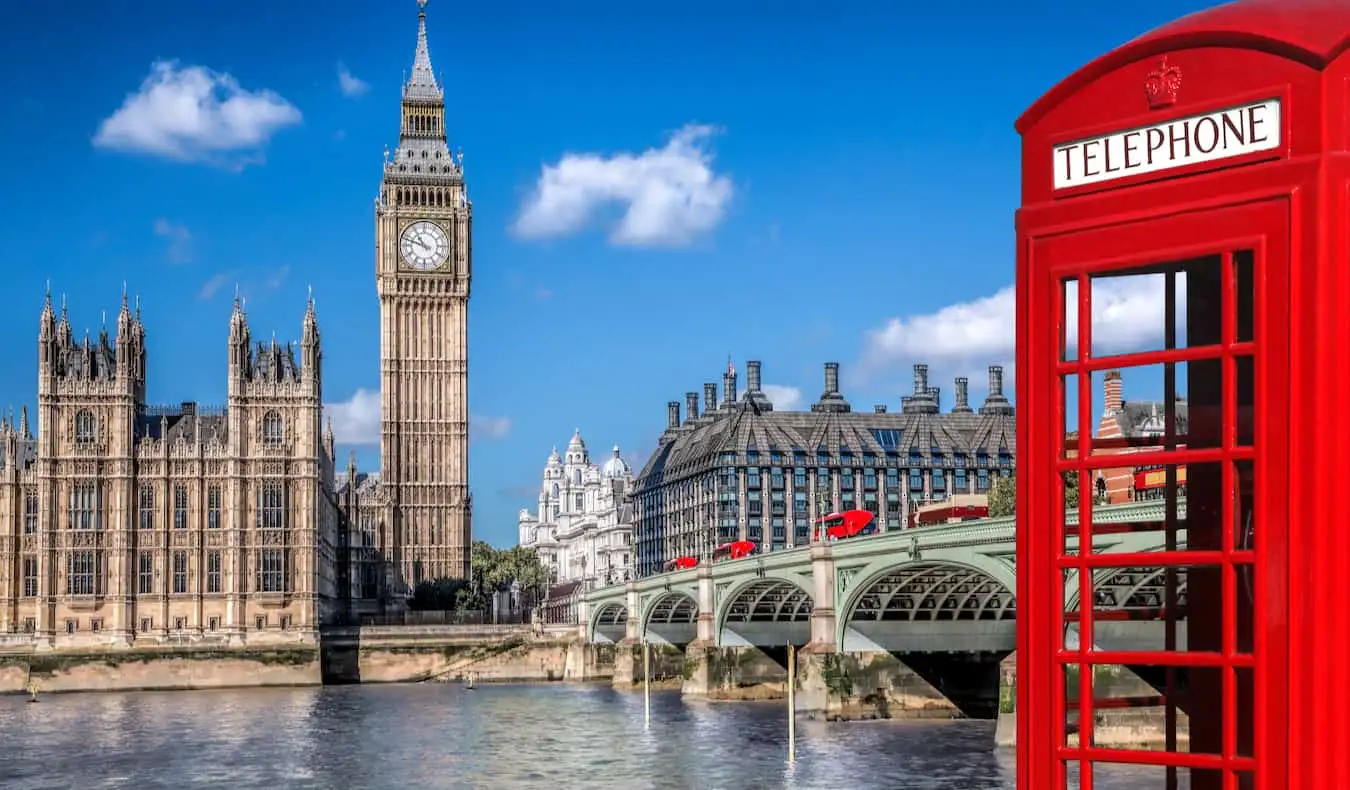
417 512
122 523
583 529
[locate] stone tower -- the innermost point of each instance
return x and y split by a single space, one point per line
423 252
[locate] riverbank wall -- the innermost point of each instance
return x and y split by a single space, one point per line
370 654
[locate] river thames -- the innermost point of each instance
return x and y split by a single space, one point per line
444 736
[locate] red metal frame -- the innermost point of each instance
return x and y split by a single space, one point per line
1275 610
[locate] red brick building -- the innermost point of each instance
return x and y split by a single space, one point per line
1135 422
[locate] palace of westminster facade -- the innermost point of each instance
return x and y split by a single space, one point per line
124 523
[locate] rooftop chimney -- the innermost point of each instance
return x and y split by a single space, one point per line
1114 394
188 408
962 396
880 408
672 415
935 397
752 376
690 407
709 397
996 402
920 380
728 388
831 400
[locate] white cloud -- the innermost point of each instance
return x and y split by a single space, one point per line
782 397
357 420
669 195
351 86
178 240
195 114
212 286
964 338
482 427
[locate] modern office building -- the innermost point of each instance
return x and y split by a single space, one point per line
739 469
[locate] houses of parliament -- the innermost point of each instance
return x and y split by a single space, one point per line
125 523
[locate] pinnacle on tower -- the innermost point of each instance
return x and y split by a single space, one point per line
422 82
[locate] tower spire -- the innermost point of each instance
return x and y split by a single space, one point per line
422 82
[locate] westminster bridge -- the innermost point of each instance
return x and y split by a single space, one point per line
909 622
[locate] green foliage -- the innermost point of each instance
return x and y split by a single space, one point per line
438 595
1003 494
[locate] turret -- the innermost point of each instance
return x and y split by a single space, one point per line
311 355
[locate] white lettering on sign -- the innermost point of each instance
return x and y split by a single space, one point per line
1184 141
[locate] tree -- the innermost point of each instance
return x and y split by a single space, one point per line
437 595
1003 494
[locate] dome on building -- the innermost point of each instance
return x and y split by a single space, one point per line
616 467
577 444
553 459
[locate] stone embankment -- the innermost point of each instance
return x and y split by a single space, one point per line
381 654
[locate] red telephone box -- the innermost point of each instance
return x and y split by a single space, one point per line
1183 282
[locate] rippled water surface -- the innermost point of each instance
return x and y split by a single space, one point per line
443 736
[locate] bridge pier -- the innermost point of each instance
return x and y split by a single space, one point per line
667 663
735 672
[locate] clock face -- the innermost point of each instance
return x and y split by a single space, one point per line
424 245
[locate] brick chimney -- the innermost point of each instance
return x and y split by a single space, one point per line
752 381
673 415
962 396
1112 391
690 407
831 378
709 398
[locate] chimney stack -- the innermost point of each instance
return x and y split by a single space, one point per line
672 415
728 389
920 380
831 378
752 376
962 396
691 407
935 398
1114 395
880 408
996 380
709 397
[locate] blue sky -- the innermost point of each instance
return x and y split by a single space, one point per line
780 181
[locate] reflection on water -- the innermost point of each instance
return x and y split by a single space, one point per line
442 736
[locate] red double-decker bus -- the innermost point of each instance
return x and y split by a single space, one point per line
735 550
849 524
679 564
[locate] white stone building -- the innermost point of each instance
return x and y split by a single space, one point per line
583 529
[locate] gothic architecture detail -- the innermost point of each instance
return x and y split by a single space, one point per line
417 511
583 529
125 523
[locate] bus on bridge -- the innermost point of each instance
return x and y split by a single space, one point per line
679 564
735 550
849 524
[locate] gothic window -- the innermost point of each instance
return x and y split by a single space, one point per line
272 506
213 507
30 577
30 513
147 506
82 573
85 427
145 573
83 514
180 572
273 429
271 570
180 506
213 572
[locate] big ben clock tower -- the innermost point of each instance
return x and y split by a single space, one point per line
423 263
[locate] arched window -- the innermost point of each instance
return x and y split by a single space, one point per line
576 476
85 427
273 429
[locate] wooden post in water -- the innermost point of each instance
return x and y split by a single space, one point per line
792 703
646 685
